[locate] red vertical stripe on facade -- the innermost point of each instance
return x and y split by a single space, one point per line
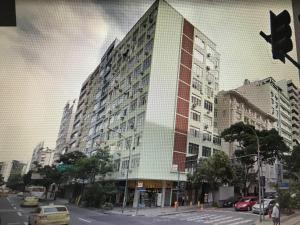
181 124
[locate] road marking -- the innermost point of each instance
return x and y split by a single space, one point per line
241 222
88 221
25 223
8 199
19 214
217 219
226 221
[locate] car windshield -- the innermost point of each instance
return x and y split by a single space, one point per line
245 200
55 209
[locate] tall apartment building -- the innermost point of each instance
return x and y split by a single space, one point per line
269 97
66 125
293 93
153 104
42 155
8 168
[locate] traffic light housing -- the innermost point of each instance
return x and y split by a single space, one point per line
281 33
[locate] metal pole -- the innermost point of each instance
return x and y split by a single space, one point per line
177 194
259 184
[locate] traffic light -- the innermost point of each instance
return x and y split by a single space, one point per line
281 33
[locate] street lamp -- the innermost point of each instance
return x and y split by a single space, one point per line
128 166
259 172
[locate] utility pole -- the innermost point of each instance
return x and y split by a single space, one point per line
177 194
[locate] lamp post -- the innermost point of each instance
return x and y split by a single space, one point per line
259 173
128 166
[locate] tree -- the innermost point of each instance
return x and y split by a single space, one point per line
1 180
71 158
292 163
215 171
14 181
271 146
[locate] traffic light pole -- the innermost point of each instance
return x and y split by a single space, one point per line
268 39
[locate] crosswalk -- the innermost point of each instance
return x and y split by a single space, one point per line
213 218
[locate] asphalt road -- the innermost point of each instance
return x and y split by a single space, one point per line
12 214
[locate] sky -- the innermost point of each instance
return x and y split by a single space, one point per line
58 43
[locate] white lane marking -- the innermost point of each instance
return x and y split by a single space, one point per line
8 199
195 217
19 213
87 221
226 221
241 222
25 223
217 219
201 217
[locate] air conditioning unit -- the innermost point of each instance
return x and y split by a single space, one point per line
208 68
141 72
148 36
208 55
120 90
194 105
206 127
140 89
208 112
122 117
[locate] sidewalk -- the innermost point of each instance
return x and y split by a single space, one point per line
152 212
293 219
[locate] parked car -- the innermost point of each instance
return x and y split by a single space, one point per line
267 204
20 194
30 202
230 202
51 214
245 203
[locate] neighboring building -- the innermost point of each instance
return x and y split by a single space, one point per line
269 97
12 167
292 91
66 125
233 108
42 155
156 88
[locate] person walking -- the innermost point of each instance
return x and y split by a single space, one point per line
275 214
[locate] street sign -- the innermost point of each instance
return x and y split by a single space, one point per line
284 186
140 184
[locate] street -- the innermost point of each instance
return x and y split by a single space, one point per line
12 214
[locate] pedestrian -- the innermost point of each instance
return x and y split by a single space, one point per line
275 214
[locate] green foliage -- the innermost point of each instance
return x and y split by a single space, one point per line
14 180
99 194
292 163
71 158
215 170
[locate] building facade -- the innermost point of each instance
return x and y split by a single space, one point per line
8 168
152 104
269 97
64 134
42 155
292 91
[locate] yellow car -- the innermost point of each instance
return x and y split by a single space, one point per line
51 214
30 201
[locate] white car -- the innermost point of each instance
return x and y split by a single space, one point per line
266 205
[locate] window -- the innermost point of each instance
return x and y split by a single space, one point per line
193 149
197 84
133 105
195 132
116 165
135 162
209 92
139 56
141 40
195 116
143 100
135 34
198 55
208 105
125 164
123 127
147 63
198 71
246 120
217 140
120 144
151 29
140 120
135 88
209 63
199 42
137 139
137 71
206 152
207 120
145 81
91 131
238 116
206 137
131 63
216 87
149 46
131 123
196 100
128 143
210 51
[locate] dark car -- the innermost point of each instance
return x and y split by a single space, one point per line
245 203
230 202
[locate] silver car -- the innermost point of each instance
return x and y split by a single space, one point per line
266 205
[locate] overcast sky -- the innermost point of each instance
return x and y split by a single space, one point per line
57 44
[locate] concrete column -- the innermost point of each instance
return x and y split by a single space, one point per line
136 198
163 194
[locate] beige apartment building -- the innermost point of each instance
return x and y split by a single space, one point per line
233 108
293 93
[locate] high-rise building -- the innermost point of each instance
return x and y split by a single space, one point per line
293 93
153 104
12 167
66 124
269 97
42 155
